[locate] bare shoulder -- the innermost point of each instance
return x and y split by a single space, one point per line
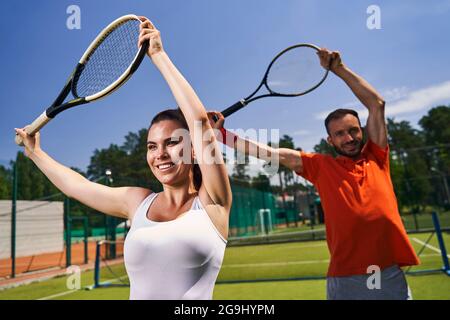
134 197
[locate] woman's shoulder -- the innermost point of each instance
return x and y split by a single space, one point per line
134 198
138 192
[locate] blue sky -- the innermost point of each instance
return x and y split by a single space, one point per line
222 48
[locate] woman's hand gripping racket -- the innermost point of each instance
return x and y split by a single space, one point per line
295 71
108 63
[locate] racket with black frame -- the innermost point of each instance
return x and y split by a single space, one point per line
108 63
293 72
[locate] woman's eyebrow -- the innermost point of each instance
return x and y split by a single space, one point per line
178 138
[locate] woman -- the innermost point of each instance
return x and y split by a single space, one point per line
177 239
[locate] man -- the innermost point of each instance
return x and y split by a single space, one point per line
363 225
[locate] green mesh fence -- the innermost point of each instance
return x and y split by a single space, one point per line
257 212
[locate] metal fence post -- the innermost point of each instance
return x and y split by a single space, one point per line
13 221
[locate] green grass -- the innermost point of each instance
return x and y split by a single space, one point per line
275 261
426 287
302 259
424 221
429 258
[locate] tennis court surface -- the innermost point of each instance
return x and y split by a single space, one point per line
288 270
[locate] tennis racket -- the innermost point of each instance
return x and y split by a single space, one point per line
108 63
293 72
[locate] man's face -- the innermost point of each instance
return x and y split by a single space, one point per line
346 136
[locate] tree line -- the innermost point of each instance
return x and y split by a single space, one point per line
420 167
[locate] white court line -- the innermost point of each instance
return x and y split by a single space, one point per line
429 246
72 291
271 264
57 295
430 255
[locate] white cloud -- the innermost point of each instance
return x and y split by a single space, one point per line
420 99
355 105
395 94
322 115
402 101
301 133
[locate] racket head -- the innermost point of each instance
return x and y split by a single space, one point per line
107 63
109 60
295 71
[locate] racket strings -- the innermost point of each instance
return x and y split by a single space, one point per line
113 55
295 71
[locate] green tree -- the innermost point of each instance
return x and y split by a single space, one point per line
436 126
324 148
240 174
5 182
436 131
32 184
112 158
409 169
286 174
128 163
261 182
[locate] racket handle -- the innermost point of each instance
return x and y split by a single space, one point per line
31 129
235 107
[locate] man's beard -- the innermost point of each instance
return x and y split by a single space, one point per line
353 154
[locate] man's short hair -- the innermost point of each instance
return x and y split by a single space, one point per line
339 114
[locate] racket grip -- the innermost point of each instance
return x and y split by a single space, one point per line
235 107
34 127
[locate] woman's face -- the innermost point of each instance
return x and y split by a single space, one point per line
166 147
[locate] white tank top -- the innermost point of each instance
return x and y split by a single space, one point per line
177 259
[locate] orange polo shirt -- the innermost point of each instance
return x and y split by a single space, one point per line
362 220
